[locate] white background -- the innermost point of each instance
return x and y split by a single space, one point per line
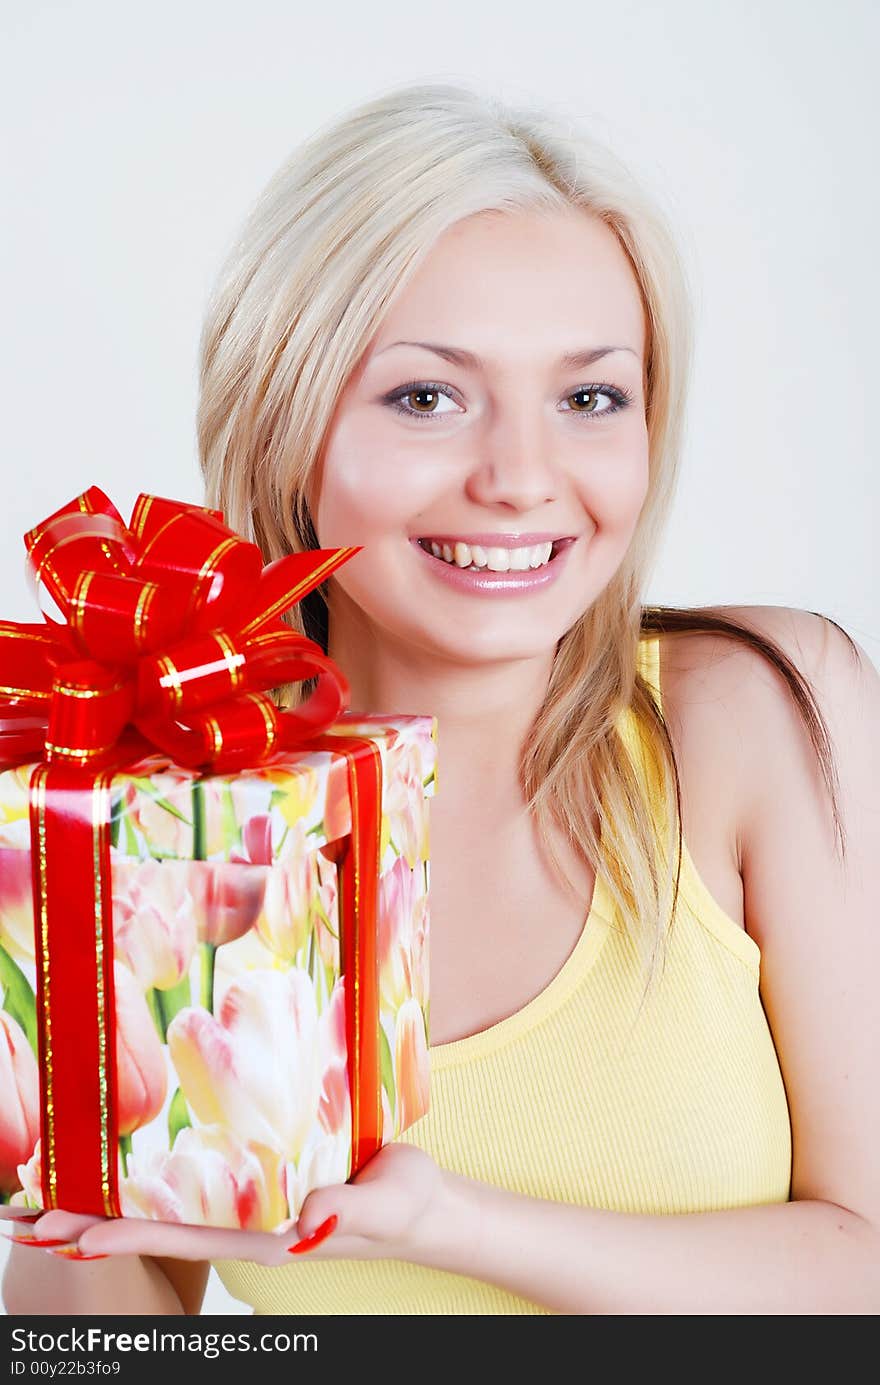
139 136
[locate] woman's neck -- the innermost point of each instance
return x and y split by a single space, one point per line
484 710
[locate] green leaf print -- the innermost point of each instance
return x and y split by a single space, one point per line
387 1068
146 787
18 1000
175 999
178 1117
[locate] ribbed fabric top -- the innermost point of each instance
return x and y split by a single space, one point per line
571 1099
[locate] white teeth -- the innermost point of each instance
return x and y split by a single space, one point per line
474 556
498 559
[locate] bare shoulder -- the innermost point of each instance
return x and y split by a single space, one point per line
738 735
733 711
809 901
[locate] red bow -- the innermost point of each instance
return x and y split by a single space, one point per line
172 638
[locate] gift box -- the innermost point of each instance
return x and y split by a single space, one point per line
213 911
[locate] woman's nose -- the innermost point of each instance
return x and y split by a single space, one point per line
514 463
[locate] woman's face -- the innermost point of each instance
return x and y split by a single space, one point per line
512 446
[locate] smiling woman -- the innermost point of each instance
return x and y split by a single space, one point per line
622 1021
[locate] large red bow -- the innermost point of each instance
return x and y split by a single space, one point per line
173 636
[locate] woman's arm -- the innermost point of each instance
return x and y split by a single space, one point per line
815 920
39 1283
786 1258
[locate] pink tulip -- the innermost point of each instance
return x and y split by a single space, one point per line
327 894
388 1131
254 1067
256 836
334 1109
412 1065
227 898
154 926
337 804
402 936
19 1101
405 802
141 1073
286 920
326 1159
228 895
16 890
30 1176
209 1178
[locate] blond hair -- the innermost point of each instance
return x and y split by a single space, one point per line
336 233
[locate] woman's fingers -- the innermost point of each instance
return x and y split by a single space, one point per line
77 1234
131 1236
57 1226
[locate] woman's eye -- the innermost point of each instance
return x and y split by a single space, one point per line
591 394
427 396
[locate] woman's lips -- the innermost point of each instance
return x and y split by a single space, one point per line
498 583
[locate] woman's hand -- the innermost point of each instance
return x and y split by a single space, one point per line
386 1212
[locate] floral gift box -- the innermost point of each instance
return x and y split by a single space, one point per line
213 909
232 1057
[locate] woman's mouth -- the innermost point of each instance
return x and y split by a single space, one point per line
477 568
477 558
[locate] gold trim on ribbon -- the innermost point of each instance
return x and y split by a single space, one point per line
78 600
70 691
69 752
171 679
356 955
113 558
46 566
157 536
38 789
216 734
234 658
212 562
143 511
23 692
314 579
100 818
37 636
267 707
140 613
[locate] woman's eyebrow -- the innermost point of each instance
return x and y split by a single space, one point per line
467 360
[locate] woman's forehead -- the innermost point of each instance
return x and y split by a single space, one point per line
521 285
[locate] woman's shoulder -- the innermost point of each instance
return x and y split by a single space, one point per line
716 686
736 729
707 675
723 703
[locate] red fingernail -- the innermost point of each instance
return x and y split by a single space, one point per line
35 1241
73 1254
319 1234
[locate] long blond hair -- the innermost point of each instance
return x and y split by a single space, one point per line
336 233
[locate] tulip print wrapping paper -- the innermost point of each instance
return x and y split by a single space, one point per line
232 1070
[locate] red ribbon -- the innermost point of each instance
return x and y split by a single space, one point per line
172 637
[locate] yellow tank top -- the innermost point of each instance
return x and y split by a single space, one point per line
684 1111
